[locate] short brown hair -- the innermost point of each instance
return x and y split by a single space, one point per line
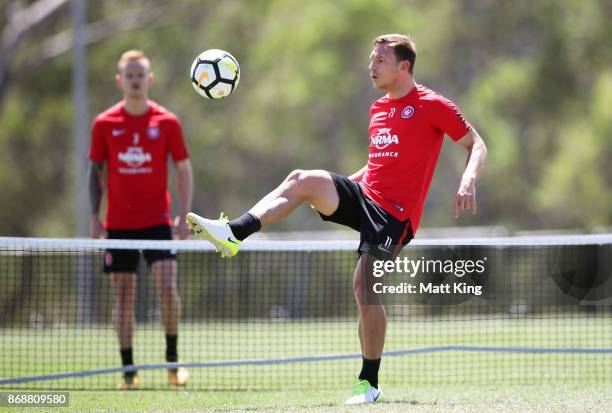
130 56
402 45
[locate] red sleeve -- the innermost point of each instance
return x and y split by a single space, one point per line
447 117
98 150
176 142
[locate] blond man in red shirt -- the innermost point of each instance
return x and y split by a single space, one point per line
134 139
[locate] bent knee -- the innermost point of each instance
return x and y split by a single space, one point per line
297 176
299 181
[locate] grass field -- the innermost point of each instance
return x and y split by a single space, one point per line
438 381
512 398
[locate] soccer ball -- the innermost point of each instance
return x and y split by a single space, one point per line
215 74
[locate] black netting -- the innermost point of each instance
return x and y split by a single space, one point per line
536 313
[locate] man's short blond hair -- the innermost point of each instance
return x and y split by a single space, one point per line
403 46
130 56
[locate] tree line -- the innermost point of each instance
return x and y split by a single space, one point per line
533 77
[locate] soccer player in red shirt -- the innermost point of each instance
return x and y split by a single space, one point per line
384 200
134 138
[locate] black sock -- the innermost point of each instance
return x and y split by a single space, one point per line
369 371
244 226
127 359
171 353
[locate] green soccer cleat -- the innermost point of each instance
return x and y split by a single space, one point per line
363 392
217 231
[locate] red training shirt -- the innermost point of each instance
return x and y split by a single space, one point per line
405 141
136 150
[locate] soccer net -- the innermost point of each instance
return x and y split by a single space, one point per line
281 314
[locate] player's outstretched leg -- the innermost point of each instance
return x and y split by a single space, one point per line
315 187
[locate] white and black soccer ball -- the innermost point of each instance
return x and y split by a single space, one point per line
215 74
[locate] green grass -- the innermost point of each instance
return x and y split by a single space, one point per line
444 381
542 398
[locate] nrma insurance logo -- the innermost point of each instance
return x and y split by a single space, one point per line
134 157
383 138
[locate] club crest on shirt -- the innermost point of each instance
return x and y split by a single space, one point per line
407 112
153 132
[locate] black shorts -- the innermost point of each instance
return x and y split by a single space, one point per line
382 235
119 260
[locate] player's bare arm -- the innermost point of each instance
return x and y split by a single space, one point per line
477 154
95 197
184 185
